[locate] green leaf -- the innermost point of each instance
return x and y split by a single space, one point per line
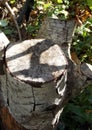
12 1
31 29
46 6
8 31
76 109
59 1
3 23
89 2
40 2
90 99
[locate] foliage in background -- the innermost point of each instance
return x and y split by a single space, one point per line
5 28
77 114
82 41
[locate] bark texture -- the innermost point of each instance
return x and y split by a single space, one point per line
61 32
34 82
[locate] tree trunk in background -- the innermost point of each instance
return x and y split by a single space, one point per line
78 75
61 32
37 78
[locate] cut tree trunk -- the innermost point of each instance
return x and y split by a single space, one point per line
37 78
34 82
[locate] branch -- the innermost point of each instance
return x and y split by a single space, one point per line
87 70
14 18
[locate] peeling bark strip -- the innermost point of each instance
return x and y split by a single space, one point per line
35 78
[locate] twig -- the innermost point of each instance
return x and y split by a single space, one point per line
14 18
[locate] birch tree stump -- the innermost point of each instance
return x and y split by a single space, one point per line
39 78
35 82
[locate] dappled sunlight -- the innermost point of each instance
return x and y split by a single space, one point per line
36 60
